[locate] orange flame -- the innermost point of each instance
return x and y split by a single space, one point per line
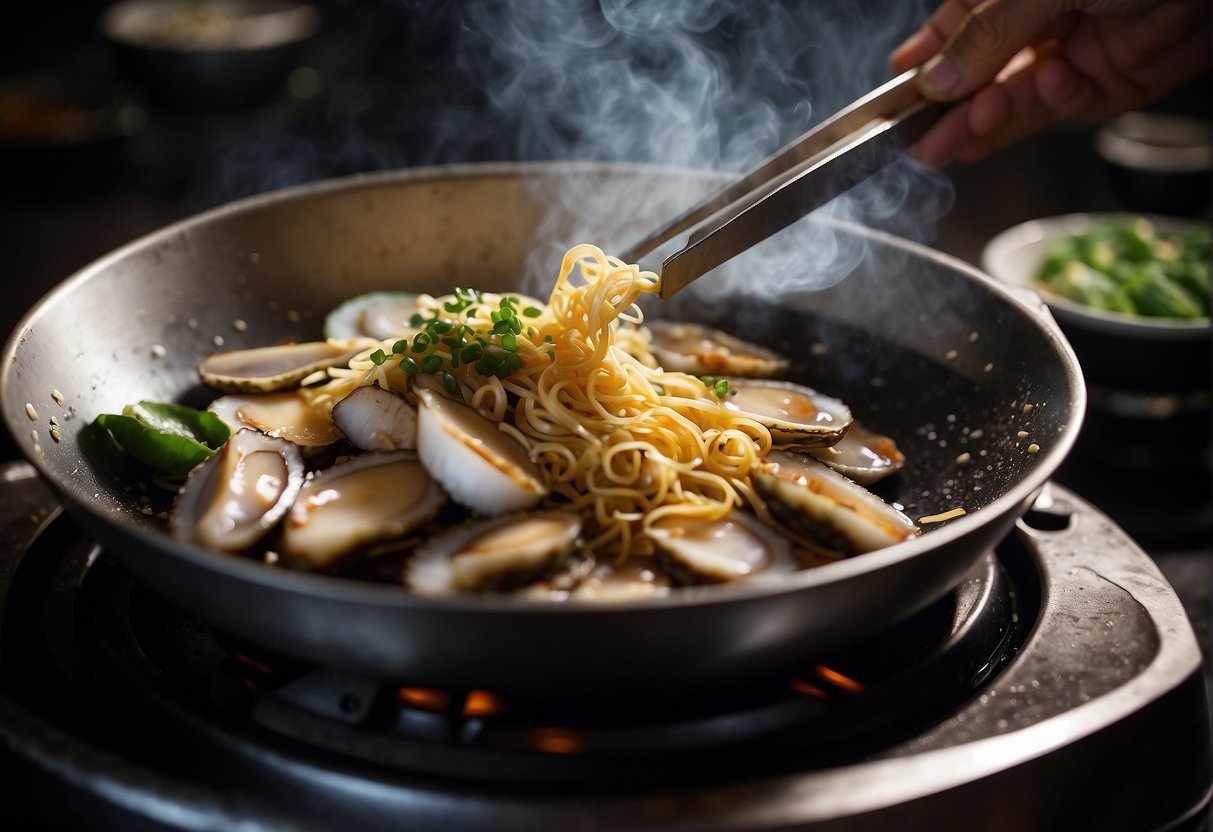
482 703
427 699
838 680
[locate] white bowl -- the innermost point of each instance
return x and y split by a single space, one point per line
1015 256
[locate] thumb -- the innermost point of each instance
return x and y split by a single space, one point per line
988 37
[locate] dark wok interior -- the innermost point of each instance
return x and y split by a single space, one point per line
280 269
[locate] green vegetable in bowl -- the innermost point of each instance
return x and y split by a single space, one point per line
167 437
1126 266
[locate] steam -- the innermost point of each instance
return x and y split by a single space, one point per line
706 84
701 85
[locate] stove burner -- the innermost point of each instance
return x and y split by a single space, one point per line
116 708
841 706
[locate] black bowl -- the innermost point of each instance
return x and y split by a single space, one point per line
1157 163
212 56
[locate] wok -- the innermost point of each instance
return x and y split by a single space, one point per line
922 347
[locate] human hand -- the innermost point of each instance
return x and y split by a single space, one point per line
1023 64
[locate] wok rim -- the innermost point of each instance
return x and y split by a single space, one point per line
348 590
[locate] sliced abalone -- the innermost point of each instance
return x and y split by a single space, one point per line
638 577
374 419
797 416
825 509
240 493
370 499
290 415
733 548
268 369
380 315
482 467
863 455
499 553
700 350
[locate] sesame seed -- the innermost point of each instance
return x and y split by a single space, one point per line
58 397
1022 435
988 367
973 336
217 340
964 458
192 323
55 434
1027 408
158 351
977 434
293 316
240 325
1033 449
950 355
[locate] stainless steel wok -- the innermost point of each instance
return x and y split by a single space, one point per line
922 347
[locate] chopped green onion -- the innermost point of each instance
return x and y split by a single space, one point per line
431 363
378 357
449 382
401 346
409 365
532 312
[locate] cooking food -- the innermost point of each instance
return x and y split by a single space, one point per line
1129 267
549 436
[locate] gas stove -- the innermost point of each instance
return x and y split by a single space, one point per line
1059 686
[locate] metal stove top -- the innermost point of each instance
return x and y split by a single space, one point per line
1059 687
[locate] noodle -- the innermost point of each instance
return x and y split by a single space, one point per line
618 440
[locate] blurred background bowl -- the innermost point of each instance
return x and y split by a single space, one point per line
1153 367
1157 162
209 55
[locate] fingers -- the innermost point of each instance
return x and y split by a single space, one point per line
987 39
1002 112
981 45
933 35
946 139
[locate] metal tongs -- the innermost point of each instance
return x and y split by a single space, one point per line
831 158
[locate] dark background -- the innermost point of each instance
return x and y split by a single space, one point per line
383 87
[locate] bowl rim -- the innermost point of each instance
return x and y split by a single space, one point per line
283 24
1041 229
1123 142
